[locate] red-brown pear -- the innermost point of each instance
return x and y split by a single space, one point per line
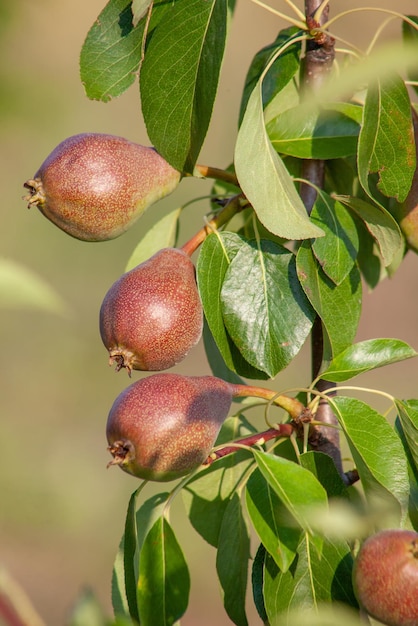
164 426
152 316
385 577
94 186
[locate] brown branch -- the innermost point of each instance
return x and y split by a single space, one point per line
315 69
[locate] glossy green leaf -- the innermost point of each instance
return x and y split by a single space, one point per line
263 306
164 581
380 223
378 454
280 73
296 487
386 141
337 251
338 306
21 289
111 53
272 522
179 78
310 580
265 180
125 570
232 560
329 132
206 495
408 415
365 356
163 234
323 468
410 35
215 256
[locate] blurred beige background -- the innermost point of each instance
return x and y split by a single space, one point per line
61 512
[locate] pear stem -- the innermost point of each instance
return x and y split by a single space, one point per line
233 206
218 174
294 407
280 430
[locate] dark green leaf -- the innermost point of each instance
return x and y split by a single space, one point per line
215 359
378 454
412 471
264 308
323 467
215 256
111 53
410 36
328 132
310 580
232 560
257 580
386 141
408 415
338 306
179 78
369 259
296 487
280 73
272 522
337 251
265 180
207 494
365 356
381 225
164 581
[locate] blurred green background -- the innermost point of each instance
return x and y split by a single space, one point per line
61 511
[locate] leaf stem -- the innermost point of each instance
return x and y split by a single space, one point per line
218 174
292 406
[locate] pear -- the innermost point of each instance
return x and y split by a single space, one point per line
164 426
95 186
152 315
385 577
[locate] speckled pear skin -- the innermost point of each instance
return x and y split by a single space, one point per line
95 186
152 316
162 427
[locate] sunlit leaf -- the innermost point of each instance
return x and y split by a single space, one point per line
378 454
162 234
365 356
338 306
164 581
179 78
263 306
386 141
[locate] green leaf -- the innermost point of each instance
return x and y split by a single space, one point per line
378 454
21 288
280 73
380 224
207 494
163 234
87 610
111 53
323 467
410 36
328 132
139 9
215 359
337 251
164 581
272 522
264 308
257 580
215 256
408 416
265 180
338 306
312 579
365 356
409 443
296 487
232 560
179 78
386 141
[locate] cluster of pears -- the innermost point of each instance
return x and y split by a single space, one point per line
94 186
